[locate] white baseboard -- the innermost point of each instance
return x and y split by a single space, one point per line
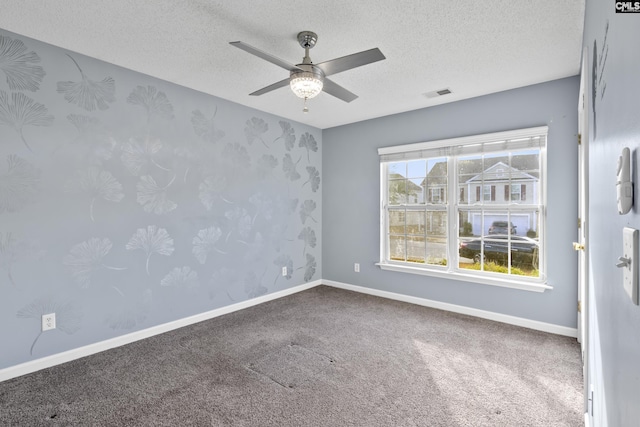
77 353
67 356
504 318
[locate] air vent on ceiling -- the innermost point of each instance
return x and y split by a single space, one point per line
436 93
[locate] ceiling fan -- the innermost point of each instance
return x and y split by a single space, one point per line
307 79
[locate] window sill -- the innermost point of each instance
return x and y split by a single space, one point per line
454 275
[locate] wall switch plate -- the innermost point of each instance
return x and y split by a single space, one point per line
630 271
284 271
48 321
356 267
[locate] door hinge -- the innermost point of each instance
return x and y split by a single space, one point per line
579 306
579 138
579 222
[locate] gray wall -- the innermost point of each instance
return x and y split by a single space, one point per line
614 84
351 201
128 202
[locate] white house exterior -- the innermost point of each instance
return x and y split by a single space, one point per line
501 184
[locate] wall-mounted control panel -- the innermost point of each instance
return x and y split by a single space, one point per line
629 262
624 185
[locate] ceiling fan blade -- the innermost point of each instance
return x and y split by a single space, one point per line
278 85
338 91
350 61
264 55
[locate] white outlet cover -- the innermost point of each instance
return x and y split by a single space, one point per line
356 267
284 271
630 272
48 321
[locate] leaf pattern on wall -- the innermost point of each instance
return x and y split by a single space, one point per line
252 286
96 184
206 128
11 250
254 130
309 268
131 312
183 277
255 250
155 102
138 156
21 111
19 66
151 240
68 315
306 211
289 168
237 156
86 257
314 178
266 165
205 242
283 261
287 205
288 135
154 198
97 145
211 189
19 183
309 142
86 93
264 206
239 221
308 236
224 278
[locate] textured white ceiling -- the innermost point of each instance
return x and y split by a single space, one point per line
471 47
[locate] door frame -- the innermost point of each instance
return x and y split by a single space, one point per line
583 221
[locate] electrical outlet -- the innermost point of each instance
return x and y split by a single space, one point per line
356 267
284 271
48 321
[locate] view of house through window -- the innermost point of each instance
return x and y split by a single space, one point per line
472 208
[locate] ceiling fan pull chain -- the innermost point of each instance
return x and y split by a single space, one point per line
305 109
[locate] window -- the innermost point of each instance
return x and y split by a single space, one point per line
492 236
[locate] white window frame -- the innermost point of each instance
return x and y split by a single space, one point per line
442 148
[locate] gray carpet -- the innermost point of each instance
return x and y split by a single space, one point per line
323 357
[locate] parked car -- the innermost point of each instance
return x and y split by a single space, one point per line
502 227
524 251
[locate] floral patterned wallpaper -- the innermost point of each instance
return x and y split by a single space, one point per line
127 202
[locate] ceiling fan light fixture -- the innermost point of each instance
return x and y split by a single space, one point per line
306 84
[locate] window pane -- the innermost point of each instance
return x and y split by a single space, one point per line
417 169
525 176
415 222
415 192
397 248
470 179
396 222
436 237
397 169
415 249
436 181
397 191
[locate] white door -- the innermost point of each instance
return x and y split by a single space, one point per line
581 245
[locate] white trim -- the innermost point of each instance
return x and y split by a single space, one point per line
587 420
466 140
73 354
474 278
503 318
76 353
